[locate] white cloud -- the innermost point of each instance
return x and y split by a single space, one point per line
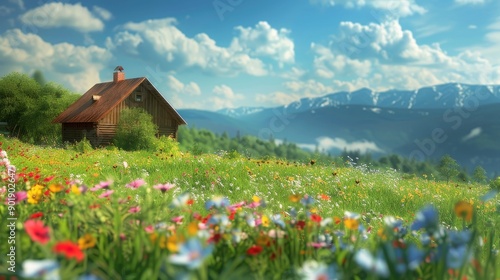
326 143
76 67
471 2
125 41
387 42
473 133
178 87
19 3
277 98
309 88
383 56
162 40
5 10
263 40
75 16
392 8
102 13
224 97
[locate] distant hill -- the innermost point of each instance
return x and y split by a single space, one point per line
456 119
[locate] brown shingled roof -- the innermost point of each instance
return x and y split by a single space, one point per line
111 94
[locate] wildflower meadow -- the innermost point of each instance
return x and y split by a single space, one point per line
110 214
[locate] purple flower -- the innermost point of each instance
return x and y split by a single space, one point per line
18 197
164 187
136 184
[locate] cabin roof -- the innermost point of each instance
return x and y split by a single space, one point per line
99 100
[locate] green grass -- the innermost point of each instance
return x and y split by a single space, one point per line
124 250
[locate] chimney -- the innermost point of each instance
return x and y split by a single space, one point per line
118 74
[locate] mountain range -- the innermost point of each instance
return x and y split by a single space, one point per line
456 119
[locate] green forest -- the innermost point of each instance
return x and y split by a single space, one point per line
29 104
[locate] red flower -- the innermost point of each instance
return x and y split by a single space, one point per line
215 238
37 231
316 218
48 179
36 215
69 250
254 250
300 225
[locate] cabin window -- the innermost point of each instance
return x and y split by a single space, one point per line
138 97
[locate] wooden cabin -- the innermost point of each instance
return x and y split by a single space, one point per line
95 115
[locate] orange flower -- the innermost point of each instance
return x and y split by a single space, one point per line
351 224
55 188
464 209
86 241
295 198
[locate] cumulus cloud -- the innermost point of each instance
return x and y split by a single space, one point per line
277 98
178 87
263 40
76 67
161 39
75 16
383 56
393 8
224 97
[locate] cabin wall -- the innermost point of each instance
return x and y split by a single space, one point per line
74 132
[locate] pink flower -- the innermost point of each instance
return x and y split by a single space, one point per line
106 193
177 219
18 197
102 185
134 209
164 187
149 229
37 231
136 184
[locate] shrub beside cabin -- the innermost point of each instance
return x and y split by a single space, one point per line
95 115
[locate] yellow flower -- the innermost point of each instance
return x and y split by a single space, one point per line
86 241
172 243
75 189
351 224
35 194
265 221
192 228
464 209
55 188
256 198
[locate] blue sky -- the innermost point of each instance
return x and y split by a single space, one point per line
212 54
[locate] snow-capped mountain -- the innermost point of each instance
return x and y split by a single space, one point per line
435 97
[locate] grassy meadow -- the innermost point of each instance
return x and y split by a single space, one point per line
111 214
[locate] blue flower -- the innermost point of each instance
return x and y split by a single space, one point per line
47 269
426 218
307 200
276 218
191 254
217 202
218 219
457 251
369 263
